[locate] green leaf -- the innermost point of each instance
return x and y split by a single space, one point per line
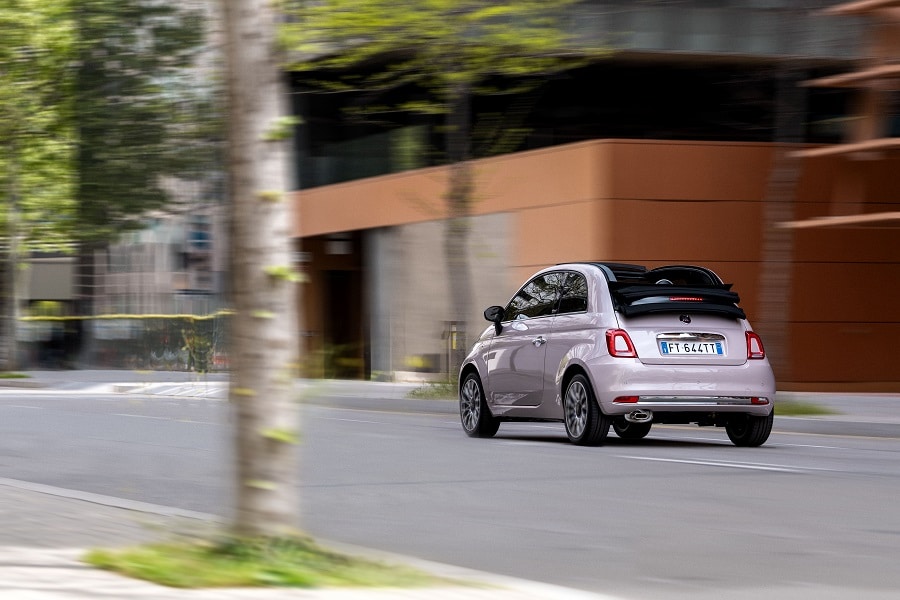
259 484
285 436
281 129
270 196
283 272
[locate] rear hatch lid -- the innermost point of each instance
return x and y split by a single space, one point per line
686 339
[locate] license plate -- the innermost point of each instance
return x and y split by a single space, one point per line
667 348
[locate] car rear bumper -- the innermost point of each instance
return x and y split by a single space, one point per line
624 386
757 405
701 401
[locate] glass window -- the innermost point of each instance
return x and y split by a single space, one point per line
574 294
537 298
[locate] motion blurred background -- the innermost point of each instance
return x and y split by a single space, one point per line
442 153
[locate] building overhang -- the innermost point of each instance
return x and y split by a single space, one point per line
861 7
880 220
886 77
865 150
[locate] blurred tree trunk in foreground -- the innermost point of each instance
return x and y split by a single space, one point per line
264 335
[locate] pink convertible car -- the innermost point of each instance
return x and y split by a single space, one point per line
600 344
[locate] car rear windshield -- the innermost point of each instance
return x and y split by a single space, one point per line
681 288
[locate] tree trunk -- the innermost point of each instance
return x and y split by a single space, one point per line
457 226
778 242
264 345
9 353
87 281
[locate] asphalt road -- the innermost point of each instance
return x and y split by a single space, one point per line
683 514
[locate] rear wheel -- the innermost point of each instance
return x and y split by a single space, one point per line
474 414
749 430
630 431
586 425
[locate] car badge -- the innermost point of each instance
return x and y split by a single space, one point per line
686 319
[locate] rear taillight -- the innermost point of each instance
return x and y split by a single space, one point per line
619 344
626 400
754 346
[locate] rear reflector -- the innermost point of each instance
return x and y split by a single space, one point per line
626 400
619 344
756 400
754 346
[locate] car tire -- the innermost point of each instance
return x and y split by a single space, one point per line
749 430
586 425
631 431
474 414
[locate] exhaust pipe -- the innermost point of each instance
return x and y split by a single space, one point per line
639 416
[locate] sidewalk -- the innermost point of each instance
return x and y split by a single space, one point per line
45 534
45 531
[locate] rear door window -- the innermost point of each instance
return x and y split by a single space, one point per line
574 294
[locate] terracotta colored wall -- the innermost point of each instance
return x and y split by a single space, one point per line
847 280
505 183
658 202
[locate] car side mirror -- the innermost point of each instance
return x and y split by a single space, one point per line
494 314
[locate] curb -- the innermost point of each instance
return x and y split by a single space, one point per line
401 405
21 383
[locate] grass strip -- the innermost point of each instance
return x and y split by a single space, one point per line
434 391
290 562
7 375
797 408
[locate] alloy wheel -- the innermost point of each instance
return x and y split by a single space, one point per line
576 408
470 404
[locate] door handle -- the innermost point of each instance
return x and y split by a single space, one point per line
538 341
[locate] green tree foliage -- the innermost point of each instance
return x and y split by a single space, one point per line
96 107
442 45
135 109
36 144
36 141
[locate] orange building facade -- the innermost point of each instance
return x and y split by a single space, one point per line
375 302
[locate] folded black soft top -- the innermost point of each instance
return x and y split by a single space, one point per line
637 299
637 290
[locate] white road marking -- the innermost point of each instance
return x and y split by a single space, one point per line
729 465
354 421
144 417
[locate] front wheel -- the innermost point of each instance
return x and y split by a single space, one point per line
749 430
586 425
474 414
